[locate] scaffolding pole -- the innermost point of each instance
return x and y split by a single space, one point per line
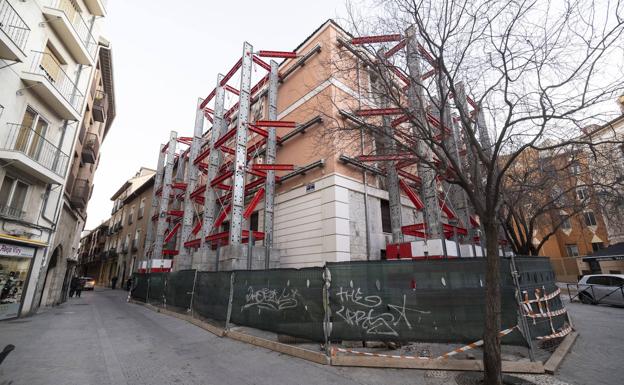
149 237
240 160
184 258
161 226
219 127
429 194
269 194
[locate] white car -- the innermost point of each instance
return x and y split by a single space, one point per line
88 283
602 288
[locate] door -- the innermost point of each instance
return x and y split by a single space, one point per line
22 139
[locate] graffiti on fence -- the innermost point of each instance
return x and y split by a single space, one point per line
373 319
271 299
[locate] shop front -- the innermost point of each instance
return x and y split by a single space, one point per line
15 265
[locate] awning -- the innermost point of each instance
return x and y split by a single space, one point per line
23 240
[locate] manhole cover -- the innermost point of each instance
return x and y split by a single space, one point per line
470 378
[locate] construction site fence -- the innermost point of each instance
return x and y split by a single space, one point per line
405 300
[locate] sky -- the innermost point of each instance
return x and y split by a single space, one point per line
166 54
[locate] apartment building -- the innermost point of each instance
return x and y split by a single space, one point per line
113 248
48 54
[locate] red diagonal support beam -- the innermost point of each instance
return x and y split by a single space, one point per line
275 123
379 112
231 73
198 192
428 74
173 232
411 194
202 155
399 120
261 63
474 222
232 110
176 213
224 187
228 135
447 210
396 48
452 229
220 178
426 55
208 99
255 146
224 213
400 74
255 183
376 39
257 173
197 227
227 150
179 185
408 175
253 203
258 130
276 167
193 243
278 54
232 89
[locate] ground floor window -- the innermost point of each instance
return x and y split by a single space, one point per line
14 266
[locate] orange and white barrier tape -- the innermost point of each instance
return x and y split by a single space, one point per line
475 344
445 355
547 314
561 333
544 298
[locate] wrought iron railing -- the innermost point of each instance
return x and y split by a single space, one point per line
80 26
46 65
92 143
32 144
11 212
80 192
13 25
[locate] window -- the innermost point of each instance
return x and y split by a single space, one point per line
590 219
575 168
565 222
597 246
386 225
12 197
254 221
141 208
131 215
572 250
582 194
31 135
599 280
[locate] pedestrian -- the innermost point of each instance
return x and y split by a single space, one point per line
73 285
114 282
129 284
79 287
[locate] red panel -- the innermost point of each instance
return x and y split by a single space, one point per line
197 227
376 39
392 251
198 191
179 185
232 89
408 175
447 210
176 213
378 158
258 130
275 123
223 187
414 227
167 252
405 250
193 243
278 54
227 150
253 203
399 120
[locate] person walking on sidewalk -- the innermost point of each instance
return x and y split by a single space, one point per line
114 282
79 287
73 285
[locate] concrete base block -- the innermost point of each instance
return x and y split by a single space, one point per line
234 257
206 262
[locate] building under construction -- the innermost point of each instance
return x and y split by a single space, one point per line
259 183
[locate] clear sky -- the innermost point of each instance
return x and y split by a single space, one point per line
166 54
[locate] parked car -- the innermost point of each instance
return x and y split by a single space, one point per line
602 288
88 283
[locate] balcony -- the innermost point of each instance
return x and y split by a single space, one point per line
34 154
13 33
100 106
135 245
80 193
11 213
90 148
74 32
47 78
124 248
96 7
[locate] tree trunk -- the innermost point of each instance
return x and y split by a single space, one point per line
491 340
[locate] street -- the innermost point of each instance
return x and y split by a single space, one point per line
102 339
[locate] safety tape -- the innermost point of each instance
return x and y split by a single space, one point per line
561 333
544 298
547 314
445 355
475 344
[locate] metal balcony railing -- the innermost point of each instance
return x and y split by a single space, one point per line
46 65
32 144
13 25
90 148
135 245
100 106
81 27
11 212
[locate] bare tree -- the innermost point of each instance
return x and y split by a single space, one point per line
479 84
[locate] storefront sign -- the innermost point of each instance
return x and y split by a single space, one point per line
16 251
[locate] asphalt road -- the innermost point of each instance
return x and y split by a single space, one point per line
102 339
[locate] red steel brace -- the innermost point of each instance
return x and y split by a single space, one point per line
276 167
253 203
221 141
411 194
379 111
396 48
222 216
278 54
173 232
261 63
376 39
275 123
